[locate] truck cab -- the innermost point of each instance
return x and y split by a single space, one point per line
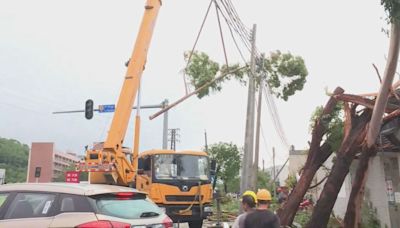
179 182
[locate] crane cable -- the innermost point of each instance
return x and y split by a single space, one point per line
195 43
232 35
220 32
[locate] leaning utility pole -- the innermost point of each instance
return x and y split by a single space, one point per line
247 162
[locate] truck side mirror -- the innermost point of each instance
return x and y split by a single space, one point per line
140 164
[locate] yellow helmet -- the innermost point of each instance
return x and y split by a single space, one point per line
250 193
264 194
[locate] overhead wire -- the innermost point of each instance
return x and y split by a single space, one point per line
238 30
236 17
275 117
235 23
236 27
233 36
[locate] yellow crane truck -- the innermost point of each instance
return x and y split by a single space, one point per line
177 181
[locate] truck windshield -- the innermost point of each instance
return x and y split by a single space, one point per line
174 166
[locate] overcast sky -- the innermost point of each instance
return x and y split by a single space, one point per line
56 54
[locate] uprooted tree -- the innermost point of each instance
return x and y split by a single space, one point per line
361 128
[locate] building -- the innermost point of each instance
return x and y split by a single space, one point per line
382 188
281 173
297 160
46 163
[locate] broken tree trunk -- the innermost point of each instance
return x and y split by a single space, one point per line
350 146
352 218
316 157
386 86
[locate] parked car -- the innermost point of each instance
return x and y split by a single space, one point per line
35 205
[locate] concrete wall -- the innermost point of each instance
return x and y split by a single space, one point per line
375 189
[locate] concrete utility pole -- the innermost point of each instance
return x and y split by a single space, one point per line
258 126
165 126
247 162
274 171
205 141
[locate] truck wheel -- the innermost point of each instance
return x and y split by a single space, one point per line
196 224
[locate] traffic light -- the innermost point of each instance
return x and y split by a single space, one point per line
89 109
37 171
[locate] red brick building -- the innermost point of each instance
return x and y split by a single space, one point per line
47 163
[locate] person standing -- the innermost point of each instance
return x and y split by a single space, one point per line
262 217
249 200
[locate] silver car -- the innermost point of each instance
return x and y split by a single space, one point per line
78 205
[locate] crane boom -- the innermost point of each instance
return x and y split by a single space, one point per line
180 182
134 72
120 163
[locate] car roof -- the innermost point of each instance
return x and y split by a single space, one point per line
70 188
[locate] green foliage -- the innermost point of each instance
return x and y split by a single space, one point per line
234 73
202 70
392 7
286 74
233 185
291 181
228 159
264 180
334 124
369 217
302 218
14 159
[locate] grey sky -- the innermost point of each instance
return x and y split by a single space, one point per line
56 54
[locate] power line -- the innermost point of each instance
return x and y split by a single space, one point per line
275 116
233 23
232 35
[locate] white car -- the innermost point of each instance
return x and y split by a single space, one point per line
59 205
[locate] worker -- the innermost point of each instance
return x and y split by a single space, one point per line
262 216
249 200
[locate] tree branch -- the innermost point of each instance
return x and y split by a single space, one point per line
363 101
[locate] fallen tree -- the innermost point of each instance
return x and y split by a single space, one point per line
317 155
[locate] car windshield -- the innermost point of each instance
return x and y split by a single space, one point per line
174 166
125 205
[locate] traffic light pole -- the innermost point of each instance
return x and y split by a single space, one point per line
159 106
